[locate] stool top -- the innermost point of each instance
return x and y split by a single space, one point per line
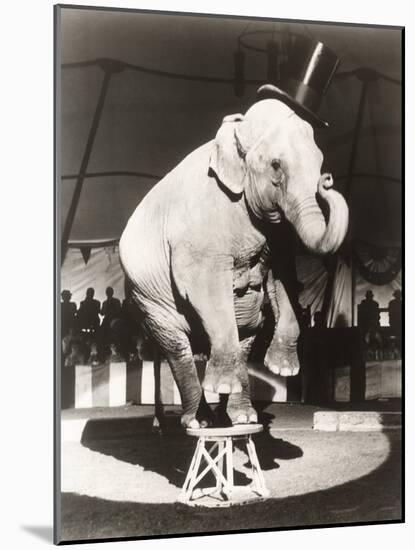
239 429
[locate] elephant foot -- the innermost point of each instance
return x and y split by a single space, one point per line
203 418
190 422
240 410
193 423
222 379
282 360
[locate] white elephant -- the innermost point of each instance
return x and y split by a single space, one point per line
195 249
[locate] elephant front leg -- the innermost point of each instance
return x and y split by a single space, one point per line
225 372
281 357
207 283
239 407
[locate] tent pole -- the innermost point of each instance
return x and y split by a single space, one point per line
364 76
356 134
352 162
353 272
84 164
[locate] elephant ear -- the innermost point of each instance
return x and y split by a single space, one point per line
227 160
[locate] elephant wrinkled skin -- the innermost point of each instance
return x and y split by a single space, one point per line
196 257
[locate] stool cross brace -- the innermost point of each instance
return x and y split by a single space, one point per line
225 488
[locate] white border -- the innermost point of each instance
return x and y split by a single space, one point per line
26 219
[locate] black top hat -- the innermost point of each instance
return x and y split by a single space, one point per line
306 78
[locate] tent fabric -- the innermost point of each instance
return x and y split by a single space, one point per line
312 273
102 270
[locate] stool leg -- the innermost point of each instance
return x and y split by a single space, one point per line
219 483
229 467
188 486
211 466
257 475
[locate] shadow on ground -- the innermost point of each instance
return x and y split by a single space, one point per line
372 498
375 497
178 447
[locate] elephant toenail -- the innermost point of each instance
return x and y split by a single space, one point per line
286 371
194 424
253 418
208 387
237 388
242 419
224 388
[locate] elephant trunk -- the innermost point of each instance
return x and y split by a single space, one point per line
309 222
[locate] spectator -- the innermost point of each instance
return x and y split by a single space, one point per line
93 358
368 320
88 314
68 313
128 311
68 339
73 348
131 317
395 316
76 355
111 308
368 316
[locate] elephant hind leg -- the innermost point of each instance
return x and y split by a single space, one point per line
174 344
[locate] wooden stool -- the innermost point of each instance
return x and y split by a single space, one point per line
225 493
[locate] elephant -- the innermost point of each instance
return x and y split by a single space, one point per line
196 250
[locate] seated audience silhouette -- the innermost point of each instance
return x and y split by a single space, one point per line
88 314
69 338
68 313
76 356
73 348
395 314
93 358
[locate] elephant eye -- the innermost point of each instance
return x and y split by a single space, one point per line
278 176
276 165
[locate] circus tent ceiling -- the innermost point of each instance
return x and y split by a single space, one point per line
152 118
